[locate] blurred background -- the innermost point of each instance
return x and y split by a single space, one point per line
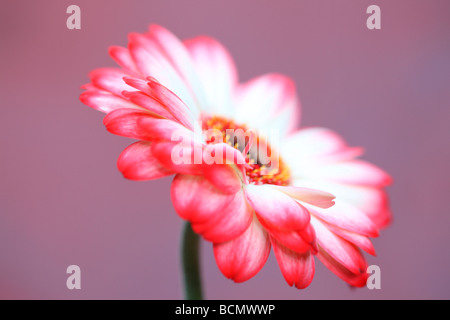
63 201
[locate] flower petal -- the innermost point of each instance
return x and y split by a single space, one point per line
217 73
143 100
297 241
142 125
310 146
152 62
223 176
105 101
218 217
372 201
346 217
109 79
358 240
358 279
269 96
125 123
225 167
339 249
276 209
136 162
180 157
317 198
165 97
123 58
179 57
243 257
297 268
351 172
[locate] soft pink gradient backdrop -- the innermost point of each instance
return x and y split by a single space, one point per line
62 200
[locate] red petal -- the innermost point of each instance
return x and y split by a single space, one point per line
243 257
143 126
125 122
137 163
345 253
224 167
276 209
218 217
166 98
358 279
297 268
105 101
360 241
292 240
166 152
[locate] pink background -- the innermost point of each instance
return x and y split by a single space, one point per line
63 202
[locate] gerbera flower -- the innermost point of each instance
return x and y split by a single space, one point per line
318 200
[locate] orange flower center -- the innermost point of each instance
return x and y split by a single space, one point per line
264 166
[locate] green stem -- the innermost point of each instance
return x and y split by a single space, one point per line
191 265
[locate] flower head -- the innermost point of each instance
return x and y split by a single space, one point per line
303 194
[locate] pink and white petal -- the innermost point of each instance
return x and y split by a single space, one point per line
143 126
143 100
292 240
169 98
267 96
358 279
137 83
297 268
218 217
195 199
225 167
358 240
350 172
314 197
279 126
105 101
228 223
346 217
339 249
136 162
223 176
217 73
372 201
123 58
243 257
153 63
165 97
180 157
310 146
165 129
276 209
224 153
110 79
125 123
179 57
89 86
309 235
